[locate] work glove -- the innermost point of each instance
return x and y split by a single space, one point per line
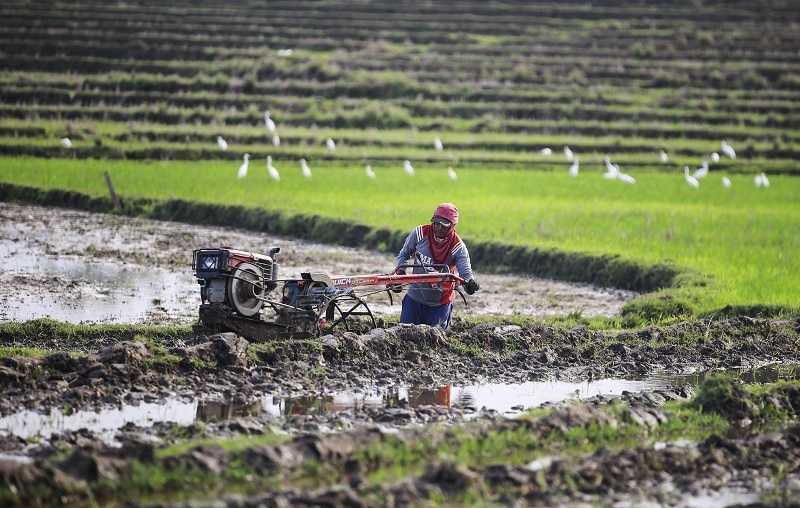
396 288
471 286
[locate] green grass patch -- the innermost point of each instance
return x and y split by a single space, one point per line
67 335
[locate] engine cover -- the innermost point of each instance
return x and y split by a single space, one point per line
215 290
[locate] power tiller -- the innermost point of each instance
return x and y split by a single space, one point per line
241 292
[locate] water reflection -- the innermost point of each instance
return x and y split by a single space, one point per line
507 399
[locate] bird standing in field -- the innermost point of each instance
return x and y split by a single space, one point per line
690 179
269 123
612 170
65 142
368 170
727 149
546 151
702 171
761 180
568 153
573 169
452 174
437 144
726 182
663 156
276 140
243 168
221 143
271 171
330 144
304 167
625 178
408 168
715 157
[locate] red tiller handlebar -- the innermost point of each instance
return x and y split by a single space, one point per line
394 279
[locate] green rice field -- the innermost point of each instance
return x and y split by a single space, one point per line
743 237
144 90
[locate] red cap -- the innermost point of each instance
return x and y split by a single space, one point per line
447 211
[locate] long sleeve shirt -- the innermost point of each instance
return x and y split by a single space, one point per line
417 250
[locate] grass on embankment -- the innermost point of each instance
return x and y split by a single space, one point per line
741 238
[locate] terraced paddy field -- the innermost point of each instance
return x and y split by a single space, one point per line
561 130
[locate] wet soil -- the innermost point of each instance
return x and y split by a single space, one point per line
82 267
151 394
78 416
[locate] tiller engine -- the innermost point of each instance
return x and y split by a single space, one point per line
241 292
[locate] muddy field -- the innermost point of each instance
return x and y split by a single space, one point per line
80 267
536 414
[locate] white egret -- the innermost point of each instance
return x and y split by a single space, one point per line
330 144
65 142
727 149
276 140
761 180
546 151
305 168
663 156
573 169
625 178
285 52
726 182
702 171
408 168
568 153
437 144
452 174
715 157
369 171
221 143
612 170
269 122
271 171
243 168
691 180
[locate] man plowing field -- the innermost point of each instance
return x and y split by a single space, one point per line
240 291
432 246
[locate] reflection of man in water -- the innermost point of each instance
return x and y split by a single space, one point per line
425 397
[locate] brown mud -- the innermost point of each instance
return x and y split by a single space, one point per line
82 267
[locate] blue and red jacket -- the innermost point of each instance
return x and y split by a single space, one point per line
417 250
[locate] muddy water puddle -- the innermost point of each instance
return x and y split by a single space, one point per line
506 399
77 267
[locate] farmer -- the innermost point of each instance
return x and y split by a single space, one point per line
434 244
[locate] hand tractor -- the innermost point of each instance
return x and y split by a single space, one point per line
240 291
